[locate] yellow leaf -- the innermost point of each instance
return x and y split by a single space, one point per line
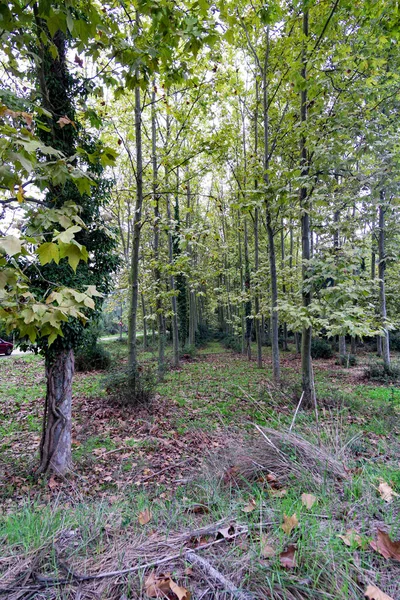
289 523
250 506
308 500
180 592
374 593
386 492
144 516
351 538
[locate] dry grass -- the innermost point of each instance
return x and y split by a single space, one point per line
286 456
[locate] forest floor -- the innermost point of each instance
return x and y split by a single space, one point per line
190 484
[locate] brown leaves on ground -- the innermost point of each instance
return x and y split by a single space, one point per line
289 523
308 500
250 506
351 538
160 586
144 516
267 551
385 546
374 593
386 492
288 557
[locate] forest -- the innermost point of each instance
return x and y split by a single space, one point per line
200 299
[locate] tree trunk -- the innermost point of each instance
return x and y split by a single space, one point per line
342 345
55 445
134 273
285 340
156 241
257 247
270 231
306 337
144 323
382 292
247 284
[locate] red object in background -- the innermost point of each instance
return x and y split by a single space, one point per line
6 347
120 323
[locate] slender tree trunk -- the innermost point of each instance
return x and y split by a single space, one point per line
306 337
270 231
247 284
382 292
55 446
156 241
134 272
285 340
257 246
144 323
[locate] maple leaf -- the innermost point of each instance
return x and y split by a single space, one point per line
351 538
308 500
52 483
374 593
181 592
144 516
225 532
288 557
289 523
157 586
385 546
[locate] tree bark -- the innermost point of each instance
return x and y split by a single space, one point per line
55 445
156 241
306 337
270 230
134 272
382 291
257 247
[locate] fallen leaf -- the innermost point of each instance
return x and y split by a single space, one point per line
267 551
225 532
188 571
374 593
144 516
52 483
289 523
288 558
181 592
157 586
277 493
198 509
385 546
308 500
386 492
250 506
351 538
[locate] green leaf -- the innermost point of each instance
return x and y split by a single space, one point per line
48 252
66 236
10 244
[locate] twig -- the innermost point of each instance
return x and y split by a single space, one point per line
296 411
207 567
271 443
80 578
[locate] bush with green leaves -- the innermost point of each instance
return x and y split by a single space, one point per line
394 340
128 387
347 360
94 358
378 371
232 342
321 348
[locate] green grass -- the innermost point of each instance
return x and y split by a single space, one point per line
220 394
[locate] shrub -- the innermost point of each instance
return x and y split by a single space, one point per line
377 371
232 342
394 340
347 360
132 387
94 358
321 348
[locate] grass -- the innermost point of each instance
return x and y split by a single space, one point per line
202 408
